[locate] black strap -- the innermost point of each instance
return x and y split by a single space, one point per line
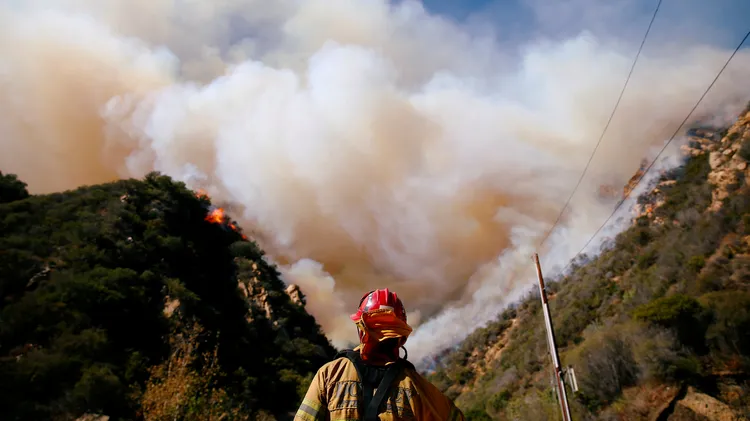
371 410
371 403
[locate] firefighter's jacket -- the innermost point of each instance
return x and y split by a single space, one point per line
333 396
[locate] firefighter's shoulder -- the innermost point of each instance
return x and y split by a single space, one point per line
434 404
338 368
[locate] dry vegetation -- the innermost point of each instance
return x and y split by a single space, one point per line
183 388
663 308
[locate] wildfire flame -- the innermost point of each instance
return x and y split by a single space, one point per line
218 216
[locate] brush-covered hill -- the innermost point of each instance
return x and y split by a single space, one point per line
131 300
656 327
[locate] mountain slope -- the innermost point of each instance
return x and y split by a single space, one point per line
105 290
658 321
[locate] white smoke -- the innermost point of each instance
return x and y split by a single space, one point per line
367 144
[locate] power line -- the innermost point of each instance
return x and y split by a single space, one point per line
661 151
614 110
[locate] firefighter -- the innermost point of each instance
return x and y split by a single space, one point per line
372 382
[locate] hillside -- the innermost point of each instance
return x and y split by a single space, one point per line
657 327
140 300
134 300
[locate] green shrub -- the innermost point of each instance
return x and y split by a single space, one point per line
660 356
729 331
11 188
477 414
604 364
679 312
696 263
534 404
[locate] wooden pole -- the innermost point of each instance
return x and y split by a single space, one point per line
559 380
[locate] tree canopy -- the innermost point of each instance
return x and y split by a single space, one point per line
95 281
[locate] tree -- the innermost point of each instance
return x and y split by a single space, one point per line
11 188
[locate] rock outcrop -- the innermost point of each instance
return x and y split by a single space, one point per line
704 407
296 295
729 166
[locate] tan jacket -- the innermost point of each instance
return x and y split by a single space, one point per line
333 394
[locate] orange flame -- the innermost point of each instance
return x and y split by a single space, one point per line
218 216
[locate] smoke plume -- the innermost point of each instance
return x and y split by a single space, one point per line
365 143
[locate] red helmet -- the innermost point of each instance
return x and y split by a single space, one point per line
380 299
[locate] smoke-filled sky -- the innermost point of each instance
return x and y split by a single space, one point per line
425 148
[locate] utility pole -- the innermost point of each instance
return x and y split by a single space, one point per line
559 381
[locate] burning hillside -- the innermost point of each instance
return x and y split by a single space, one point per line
100 288
217 215
367 143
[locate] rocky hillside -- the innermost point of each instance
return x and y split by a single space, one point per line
136 300
657 327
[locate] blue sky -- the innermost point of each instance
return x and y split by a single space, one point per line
722 22
461 9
